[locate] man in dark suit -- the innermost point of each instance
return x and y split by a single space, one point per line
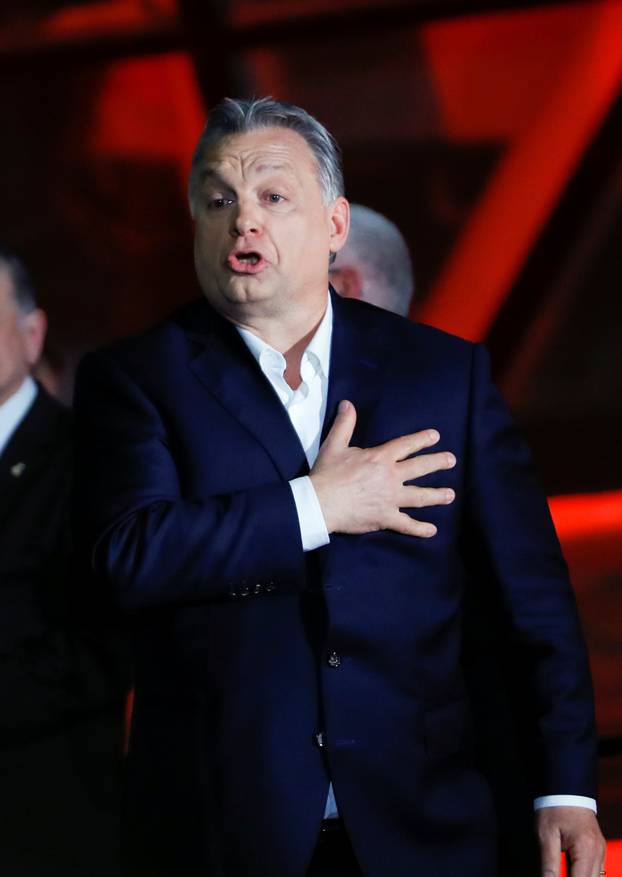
57 692
296 496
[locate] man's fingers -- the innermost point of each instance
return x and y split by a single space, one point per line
551 851
576 830
421 497
587 856
403 523
340 434
405 445
424 464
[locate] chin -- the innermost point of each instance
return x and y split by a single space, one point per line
243 289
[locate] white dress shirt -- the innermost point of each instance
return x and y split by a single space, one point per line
16 407
306 407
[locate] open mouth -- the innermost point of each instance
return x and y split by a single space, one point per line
249 262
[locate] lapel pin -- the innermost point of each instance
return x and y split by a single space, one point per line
17 469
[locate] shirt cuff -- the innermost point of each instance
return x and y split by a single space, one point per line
310 518
564 801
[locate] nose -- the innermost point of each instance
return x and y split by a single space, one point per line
246 220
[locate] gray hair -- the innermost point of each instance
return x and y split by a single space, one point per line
240 116
22 288
376 247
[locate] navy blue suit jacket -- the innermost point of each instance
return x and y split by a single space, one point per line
185 457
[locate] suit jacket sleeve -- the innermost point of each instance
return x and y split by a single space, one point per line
155 543
510 526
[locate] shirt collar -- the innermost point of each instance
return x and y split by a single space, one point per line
13 411
317 351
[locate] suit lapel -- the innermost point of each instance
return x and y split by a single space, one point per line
228 370
357 364
11 483
28 448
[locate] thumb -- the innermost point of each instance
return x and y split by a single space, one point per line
551 850
340 434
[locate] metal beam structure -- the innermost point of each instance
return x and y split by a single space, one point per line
205 26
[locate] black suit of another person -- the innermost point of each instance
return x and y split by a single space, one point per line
59 684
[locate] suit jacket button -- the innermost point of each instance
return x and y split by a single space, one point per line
270 586
244 591
257 588
334 660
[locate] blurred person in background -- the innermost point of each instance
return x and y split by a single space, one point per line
375 264
60 680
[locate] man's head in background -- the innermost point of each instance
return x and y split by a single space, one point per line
22 324
374 265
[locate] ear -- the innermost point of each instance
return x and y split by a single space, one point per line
34 327
339 223
348 282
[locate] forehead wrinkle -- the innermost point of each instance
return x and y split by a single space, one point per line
217 173
262 157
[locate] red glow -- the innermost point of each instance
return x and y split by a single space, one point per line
148 109
587 515
613 860
129 709
109 16
80 24
542 153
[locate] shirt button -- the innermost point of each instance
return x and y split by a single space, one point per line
334 660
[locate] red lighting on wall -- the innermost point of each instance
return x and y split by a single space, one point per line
586 515
545 140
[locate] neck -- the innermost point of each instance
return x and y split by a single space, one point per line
293 358
289 333
284 331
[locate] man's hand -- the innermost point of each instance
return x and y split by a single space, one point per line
361 490
575 830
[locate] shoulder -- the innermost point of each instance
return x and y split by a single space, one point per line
49 419
403 337
44 435
181 333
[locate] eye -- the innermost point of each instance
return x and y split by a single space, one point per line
275 198
218 203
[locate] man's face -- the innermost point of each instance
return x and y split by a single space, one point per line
263 234
21 339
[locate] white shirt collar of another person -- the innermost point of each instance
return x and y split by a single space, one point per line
13 411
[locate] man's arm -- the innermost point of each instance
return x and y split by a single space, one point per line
157 546
512 532
149 540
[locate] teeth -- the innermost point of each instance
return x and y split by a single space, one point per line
250 258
